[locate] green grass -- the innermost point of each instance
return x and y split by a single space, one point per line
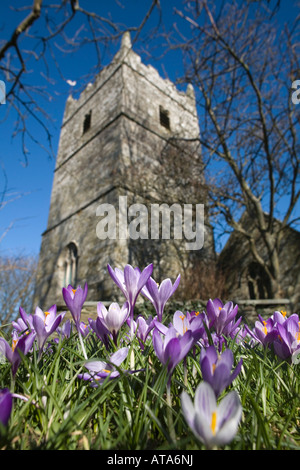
130 412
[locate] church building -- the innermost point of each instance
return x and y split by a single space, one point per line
128 155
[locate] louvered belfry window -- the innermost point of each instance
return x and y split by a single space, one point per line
164 117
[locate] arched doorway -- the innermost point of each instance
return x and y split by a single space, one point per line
258 282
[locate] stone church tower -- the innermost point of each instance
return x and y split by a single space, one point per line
130 138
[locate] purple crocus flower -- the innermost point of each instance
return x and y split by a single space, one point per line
6 402
113 318
182 323
160 294
100 370
66 328
23 323
190 321
21 344
222 317
84 329
199 324
131 281
101 331
287 341
264 331
45 323
142 328
213 424
74 300
64 331
217 368
172 348
280 317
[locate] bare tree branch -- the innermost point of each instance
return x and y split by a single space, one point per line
241 65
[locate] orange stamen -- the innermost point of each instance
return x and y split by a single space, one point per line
213 423
46 315
265 328
182 317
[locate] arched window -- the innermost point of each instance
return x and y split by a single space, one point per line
258 282
70 265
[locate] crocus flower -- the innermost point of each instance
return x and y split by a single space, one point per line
182 323
101 331
84 329
264 331
190 321
287 341
280 317
21 344
6 402
100 370
142 328
45 323
23 323
171 348
74 300
213 424
222 317
160 294
64 331
217 368
113 318
130 281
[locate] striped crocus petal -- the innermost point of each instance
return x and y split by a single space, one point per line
213 424
131 281
171 348
74 300
100 370
217 368
160 294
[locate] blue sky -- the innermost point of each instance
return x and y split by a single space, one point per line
29 186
